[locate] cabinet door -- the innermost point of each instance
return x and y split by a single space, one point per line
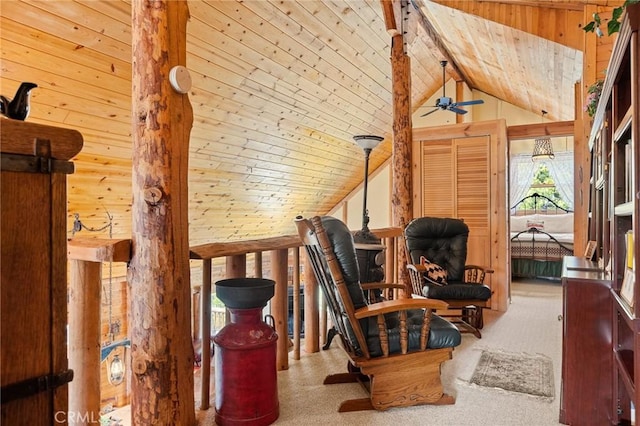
26 315
455 183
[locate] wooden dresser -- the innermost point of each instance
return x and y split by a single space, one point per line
587 355
33 311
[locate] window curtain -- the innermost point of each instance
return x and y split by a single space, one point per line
521 174
561 171
523 168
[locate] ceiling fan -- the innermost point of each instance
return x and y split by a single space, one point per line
445 103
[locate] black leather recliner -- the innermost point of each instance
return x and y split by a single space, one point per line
441 334
443 241
395 347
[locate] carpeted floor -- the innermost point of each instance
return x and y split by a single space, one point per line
532 325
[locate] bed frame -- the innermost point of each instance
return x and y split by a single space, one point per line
534 252
541 205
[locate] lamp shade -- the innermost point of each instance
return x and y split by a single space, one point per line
542 149
368 141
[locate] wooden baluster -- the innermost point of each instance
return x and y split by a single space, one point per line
384 337
311 318
84 343
235 267
424 331
296 303
404 332
257 264
389 265
279 305
205 338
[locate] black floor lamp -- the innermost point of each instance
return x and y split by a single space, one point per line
368 248
367 143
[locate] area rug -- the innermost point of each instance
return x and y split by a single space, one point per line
515 372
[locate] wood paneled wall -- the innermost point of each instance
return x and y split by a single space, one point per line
280 88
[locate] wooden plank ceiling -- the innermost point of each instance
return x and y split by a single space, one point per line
279 90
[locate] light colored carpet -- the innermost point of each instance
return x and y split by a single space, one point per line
516 372
532 325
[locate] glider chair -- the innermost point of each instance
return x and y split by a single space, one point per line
438 251
395 347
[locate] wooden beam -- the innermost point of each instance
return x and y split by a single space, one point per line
161 347
389 17
455 72
459 98
554 4
99 250
531 131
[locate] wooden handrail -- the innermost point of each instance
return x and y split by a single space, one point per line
87 253
233 248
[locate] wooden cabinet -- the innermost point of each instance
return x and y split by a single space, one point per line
33 311
587 361
615 210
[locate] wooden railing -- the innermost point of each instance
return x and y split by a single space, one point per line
283 255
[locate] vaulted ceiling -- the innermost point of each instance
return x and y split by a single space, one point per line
279 90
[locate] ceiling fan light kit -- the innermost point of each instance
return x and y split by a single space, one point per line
445 103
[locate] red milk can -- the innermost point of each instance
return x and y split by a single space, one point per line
246 387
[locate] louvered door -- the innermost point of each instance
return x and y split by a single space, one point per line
455 183
460 171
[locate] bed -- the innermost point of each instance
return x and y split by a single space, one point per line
541 235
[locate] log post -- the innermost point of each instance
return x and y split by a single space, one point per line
161 347
84 344
401 201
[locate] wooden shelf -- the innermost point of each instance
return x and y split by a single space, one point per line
624 309
624 209
624 125
624 363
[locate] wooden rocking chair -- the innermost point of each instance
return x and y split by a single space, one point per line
396 347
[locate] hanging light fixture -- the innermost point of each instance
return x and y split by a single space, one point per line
542 147
367 143
116 370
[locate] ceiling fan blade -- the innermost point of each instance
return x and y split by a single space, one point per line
457 110
474 102
430 112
